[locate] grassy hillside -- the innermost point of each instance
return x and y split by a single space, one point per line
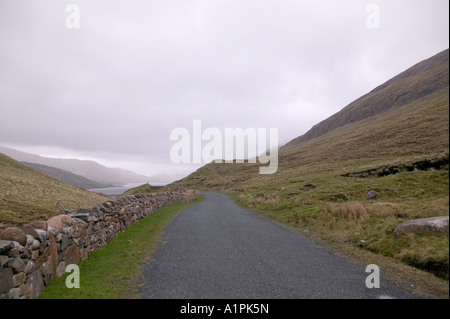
422 79
321 183
405 135
28 195
67 177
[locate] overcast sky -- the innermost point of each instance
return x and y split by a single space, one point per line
113 89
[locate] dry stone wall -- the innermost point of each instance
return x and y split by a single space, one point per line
34 254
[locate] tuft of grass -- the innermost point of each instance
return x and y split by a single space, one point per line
113 270
351 212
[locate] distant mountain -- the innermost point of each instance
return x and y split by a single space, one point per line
88 169
67 177
420 80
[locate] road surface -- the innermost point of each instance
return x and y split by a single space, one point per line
218 250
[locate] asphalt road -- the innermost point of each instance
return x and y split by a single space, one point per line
218 250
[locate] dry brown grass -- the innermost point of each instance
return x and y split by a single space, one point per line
347 211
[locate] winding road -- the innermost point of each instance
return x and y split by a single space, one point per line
219 250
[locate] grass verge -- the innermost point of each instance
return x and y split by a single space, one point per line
110 272
334 210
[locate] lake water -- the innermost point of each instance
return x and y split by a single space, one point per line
119 189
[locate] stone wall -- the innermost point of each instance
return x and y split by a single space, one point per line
34 254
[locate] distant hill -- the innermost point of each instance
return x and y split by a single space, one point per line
422 79
27 194
88 169
67 177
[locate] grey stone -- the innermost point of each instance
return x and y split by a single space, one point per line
35 245
14 293
18 265
42 234
6 280
82 215
52 230
34 284
29 267
371 194
18 279
64 242
424 225
30 240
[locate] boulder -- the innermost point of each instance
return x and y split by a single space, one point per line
371 194
423 225
14 234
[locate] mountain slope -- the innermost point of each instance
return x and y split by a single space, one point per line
28 195
420 80
67 177
88 169
414 132
404 134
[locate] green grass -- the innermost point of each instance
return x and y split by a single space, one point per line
113 270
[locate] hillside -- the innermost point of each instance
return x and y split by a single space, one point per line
67 177
395 141
417 130
28 195
422 79
88 169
